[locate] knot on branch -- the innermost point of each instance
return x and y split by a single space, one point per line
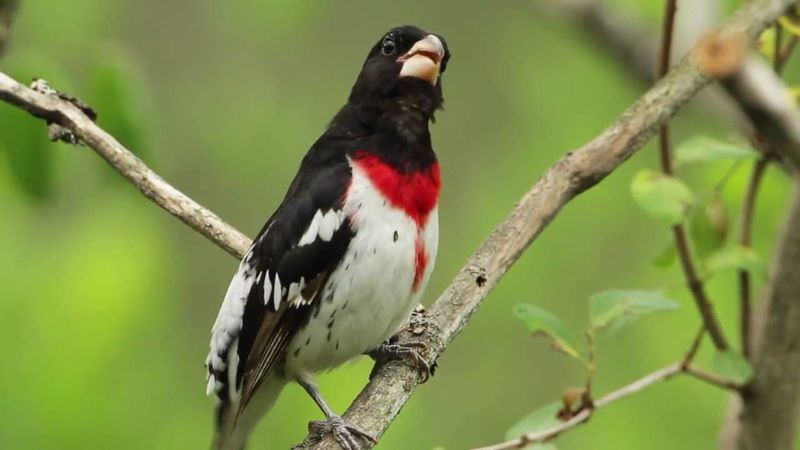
720 54
56 132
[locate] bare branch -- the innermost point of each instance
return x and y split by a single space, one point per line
745 240
693 281
765 100
630 389
770 412
59 111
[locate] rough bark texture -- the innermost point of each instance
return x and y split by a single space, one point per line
765 100
770 411
64 113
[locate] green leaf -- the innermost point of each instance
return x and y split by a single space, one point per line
736 258
708 227
540 446
665 198
703 149
665 257
537 320
542 419
733 366
616 307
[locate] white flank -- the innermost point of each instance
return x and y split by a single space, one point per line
372 286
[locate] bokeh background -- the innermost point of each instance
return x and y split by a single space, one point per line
106 302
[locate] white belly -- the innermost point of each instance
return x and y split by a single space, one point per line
371 294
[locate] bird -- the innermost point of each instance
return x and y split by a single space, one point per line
337 269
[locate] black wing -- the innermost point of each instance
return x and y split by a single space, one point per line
275 289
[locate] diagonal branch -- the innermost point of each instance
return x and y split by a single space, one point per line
393 383
64 113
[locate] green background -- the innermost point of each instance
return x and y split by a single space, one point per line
106 302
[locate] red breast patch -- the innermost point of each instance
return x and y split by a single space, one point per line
416 193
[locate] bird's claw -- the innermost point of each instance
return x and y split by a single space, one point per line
345 435
410 351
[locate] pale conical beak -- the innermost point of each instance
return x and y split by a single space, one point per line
424 59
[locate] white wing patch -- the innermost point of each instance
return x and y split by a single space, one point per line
322 226
276 296
229 320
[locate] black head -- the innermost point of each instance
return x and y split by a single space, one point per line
405 65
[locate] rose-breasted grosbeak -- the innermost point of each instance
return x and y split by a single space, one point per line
340 265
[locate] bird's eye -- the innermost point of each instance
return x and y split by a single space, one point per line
388 46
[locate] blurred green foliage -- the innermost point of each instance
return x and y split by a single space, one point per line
106 302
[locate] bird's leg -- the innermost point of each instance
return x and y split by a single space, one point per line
344 434
409 351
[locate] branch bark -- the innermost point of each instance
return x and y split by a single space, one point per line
770 411
765 100
393 382
59 111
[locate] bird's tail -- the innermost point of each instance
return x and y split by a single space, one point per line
232 432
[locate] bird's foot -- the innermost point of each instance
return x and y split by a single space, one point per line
345 435
411 352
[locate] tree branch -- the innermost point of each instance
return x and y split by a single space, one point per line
647 381
745 240
59 111
771 409
637 386
393 382
695 285
764 98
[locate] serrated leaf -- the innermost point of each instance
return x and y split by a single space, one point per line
537 320
704 149
617 307
736 258
665 198
708 227
732 366
542 419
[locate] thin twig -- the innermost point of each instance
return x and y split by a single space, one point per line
785 54
665 373
746 240
712 378
670 8
628 390
693 280
776 57
698 339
